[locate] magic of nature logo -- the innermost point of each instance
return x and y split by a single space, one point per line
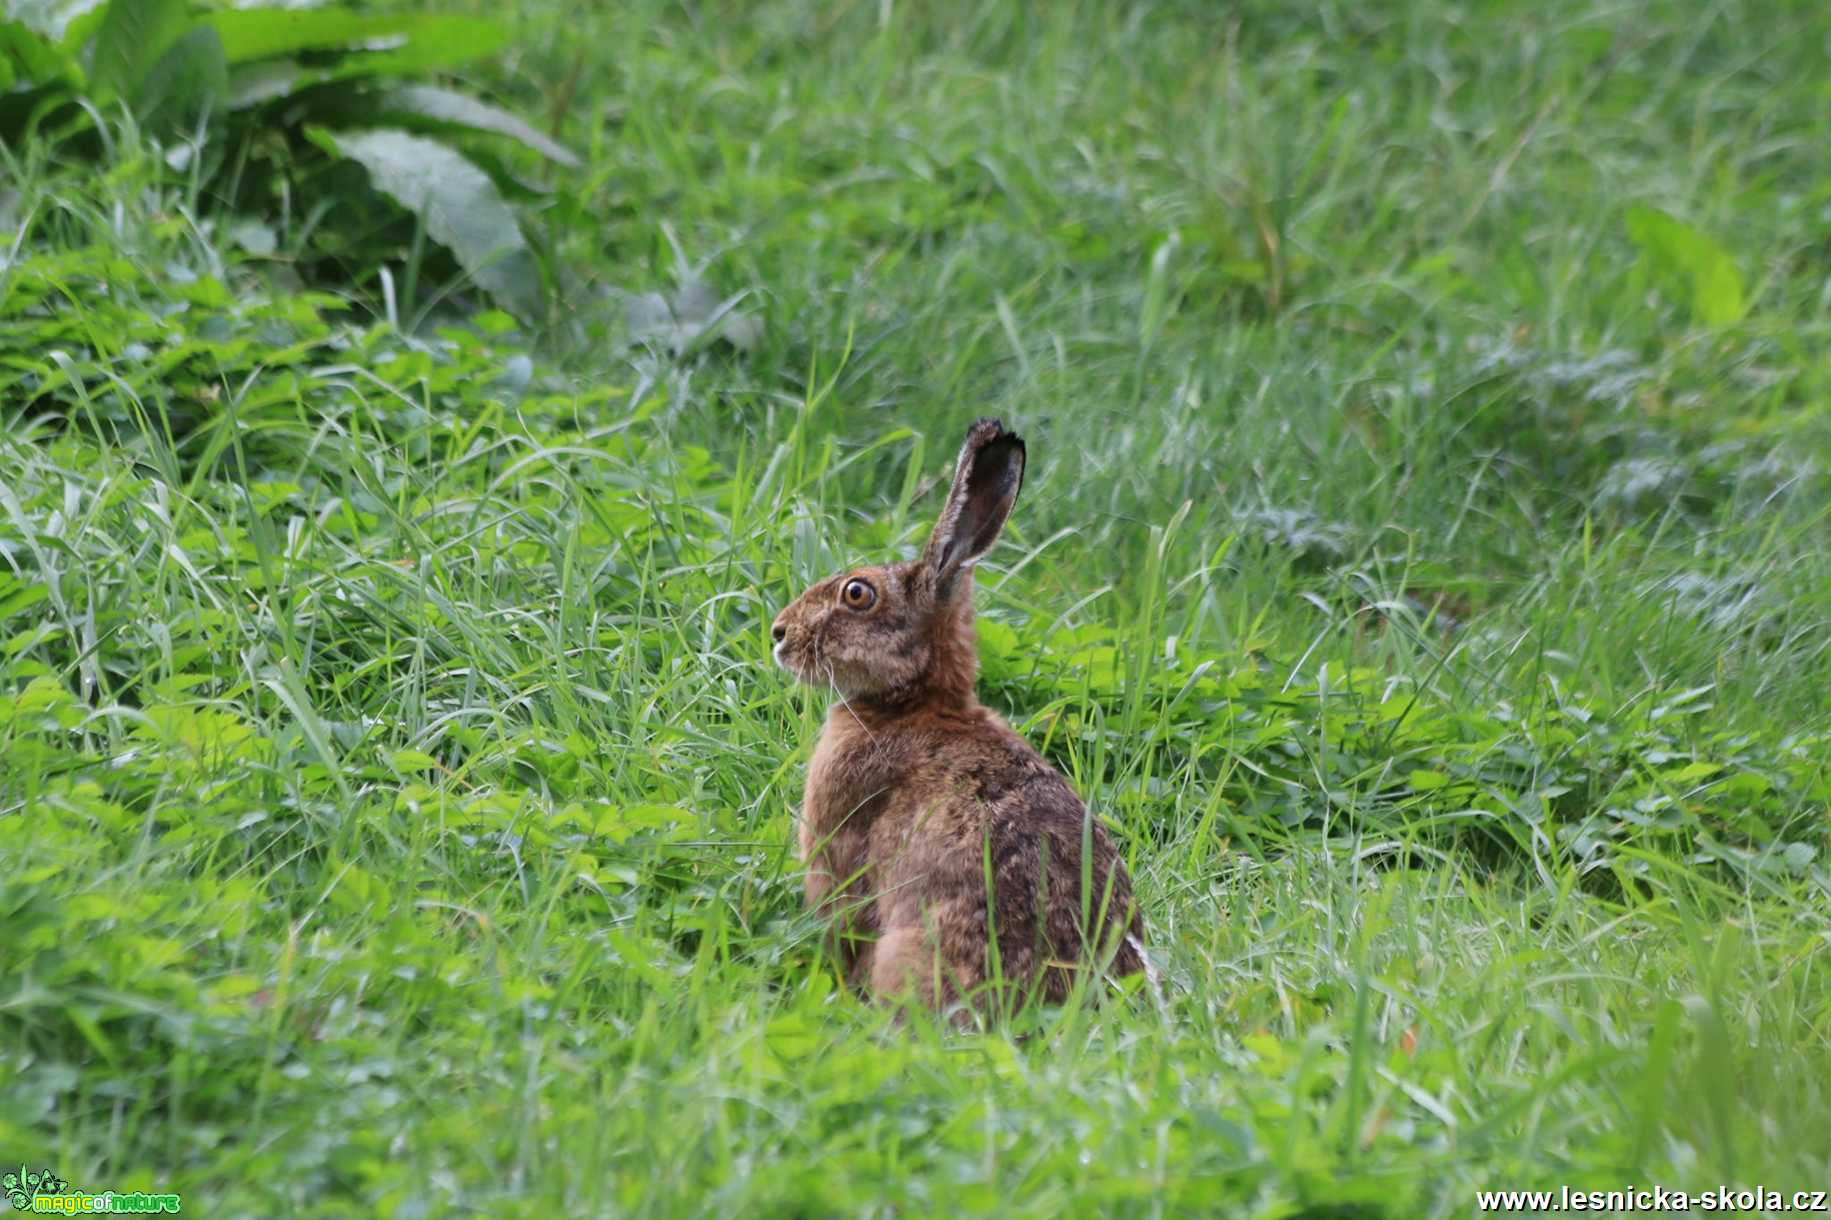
44 1192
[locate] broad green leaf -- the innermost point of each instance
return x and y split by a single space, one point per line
995 638
442 108
494 322
82 19
514 187
189 80
21 599
251 235
252 84
68 24
692 315
134 34
28 60
455 200
1688 266
458 41
252 34
413 760
792 1036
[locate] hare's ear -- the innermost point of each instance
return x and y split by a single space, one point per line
986 479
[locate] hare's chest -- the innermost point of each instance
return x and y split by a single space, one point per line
849 781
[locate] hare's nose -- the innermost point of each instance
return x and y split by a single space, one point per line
778 633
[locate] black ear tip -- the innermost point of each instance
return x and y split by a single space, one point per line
987 430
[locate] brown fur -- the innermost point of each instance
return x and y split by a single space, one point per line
916 793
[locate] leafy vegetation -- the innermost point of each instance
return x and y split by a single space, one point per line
277 113
1423 567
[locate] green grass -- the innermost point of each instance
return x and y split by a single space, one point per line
1431 589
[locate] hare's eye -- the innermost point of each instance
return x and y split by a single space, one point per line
858 595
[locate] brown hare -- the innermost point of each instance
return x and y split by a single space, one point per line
949 854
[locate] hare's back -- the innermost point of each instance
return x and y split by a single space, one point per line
994 828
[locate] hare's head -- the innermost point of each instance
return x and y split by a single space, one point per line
904 632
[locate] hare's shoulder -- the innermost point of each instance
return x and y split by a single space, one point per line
960 771
965 777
